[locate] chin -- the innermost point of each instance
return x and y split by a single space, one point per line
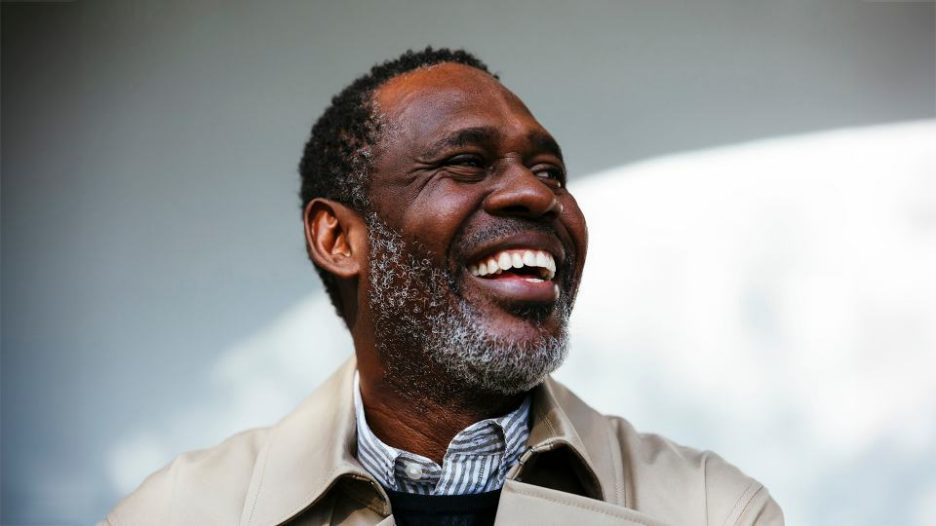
523 322
491 350
526 327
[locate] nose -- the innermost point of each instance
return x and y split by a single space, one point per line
519 193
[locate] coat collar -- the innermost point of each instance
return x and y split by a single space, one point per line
306 454
564 423
309 451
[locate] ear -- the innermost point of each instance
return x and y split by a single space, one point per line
336 237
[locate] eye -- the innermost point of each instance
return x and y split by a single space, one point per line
551 174
466 167
467 160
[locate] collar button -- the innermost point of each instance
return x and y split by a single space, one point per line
413 470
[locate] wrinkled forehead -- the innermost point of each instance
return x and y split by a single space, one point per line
436 99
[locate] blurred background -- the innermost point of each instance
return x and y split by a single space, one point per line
759 179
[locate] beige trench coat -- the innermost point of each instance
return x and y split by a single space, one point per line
581 468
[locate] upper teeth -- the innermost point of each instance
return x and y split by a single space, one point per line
508 259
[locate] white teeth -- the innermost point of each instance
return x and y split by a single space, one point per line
510 259
504 261
517 260
542 260
546 261
550 264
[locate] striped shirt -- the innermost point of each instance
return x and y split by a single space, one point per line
476 461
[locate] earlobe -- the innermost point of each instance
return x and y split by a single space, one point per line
335 237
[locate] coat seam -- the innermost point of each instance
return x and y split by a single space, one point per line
705 461
743 501
749 501
355 496
619 494
262 466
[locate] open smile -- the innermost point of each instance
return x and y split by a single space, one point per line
520 274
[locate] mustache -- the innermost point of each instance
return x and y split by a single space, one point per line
467 238
472 237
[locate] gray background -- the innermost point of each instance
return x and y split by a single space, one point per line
149 217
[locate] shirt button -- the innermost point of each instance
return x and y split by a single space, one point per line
413 470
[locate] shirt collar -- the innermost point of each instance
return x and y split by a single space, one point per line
312 448
469 453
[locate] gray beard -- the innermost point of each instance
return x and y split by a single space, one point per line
429 338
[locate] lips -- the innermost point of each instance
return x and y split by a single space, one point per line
533 263
519 270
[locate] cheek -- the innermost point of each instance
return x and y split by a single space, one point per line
574 220
436 216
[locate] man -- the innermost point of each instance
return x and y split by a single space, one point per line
436 213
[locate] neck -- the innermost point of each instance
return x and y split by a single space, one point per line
424 422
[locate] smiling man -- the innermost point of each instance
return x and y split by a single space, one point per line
437 215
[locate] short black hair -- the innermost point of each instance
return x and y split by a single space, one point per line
338 155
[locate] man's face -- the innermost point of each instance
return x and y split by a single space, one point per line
477 247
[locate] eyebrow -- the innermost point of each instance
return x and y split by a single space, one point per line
477 135
486 135
544 141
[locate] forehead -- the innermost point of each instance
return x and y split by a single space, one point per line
432 101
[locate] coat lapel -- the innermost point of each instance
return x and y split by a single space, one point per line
562 420
522 503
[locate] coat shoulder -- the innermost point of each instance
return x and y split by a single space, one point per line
205 486
688 483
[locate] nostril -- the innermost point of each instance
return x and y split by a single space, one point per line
549 213
516 209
